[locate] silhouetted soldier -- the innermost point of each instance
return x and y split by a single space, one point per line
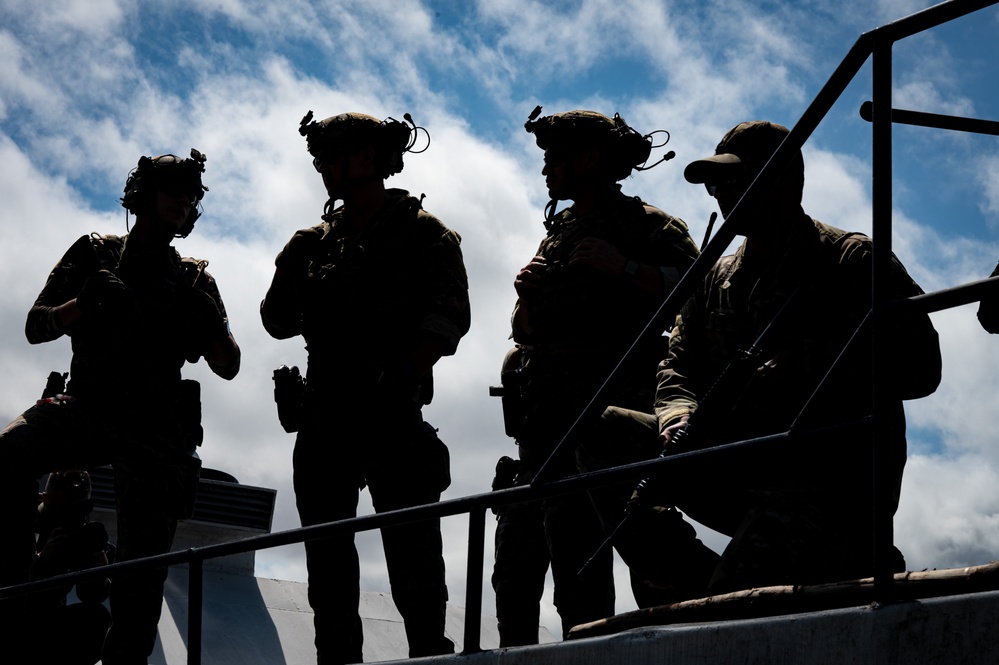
135 311
61 633
378 290
800 512
604 266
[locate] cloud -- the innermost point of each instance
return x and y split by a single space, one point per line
955 498
987 177
88 87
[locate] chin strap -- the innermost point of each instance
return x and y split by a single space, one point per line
550 213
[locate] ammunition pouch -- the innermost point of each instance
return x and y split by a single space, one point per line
160 481
434 454
507 470
185 471
182 470
187 411
289 393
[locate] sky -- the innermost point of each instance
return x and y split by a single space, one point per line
91 85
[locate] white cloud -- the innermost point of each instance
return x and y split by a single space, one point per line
951 512
987 176
81 103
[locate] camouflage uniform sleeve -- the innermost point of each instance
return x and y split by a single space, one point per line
915 364
918 361
63 284
281 308
675 397
685 375
205 282
517 332
448 315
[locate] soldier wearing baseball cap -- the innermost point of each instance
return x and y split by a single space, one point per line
742 153
799 511
739 157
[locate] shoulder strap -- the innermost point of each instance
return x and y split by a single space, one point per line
193 269
107 250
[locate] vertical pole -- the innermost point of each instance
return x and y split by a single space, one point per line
473 580
195 593
880 279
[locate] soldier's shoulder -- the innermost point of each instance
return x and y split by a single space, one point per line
724 268
435 228
657 218
104 240
834 235
425 222
106 247
309 234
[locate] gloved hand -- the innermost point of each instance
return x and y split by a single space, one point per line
302 248
104 294
202 320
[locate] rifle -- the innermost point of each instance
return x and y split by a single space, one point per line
736 374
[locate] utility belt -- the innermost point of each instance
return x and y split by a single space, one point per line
296 395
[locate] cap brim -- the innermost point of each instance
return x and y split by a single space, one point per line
713 169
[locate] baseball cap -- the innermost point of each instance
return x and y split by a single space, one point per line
742 153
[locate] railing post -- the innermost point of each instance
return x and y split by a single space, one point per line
195 605
880 279
473 580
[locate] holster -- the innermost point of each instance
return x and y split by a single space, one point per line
437 458
289 393
513 382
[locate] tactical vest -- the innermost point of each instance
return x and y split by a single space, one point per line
366 294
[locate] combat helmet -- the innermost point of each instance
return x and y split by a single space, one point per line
169 174
346 132
623 148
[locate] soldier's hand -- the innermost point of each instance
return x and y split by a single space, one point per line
599 255
104 294
57 548
202 319
302 248
529 277
667 435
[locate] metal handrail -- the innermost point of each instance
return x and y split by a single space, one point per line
877 43
475 505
